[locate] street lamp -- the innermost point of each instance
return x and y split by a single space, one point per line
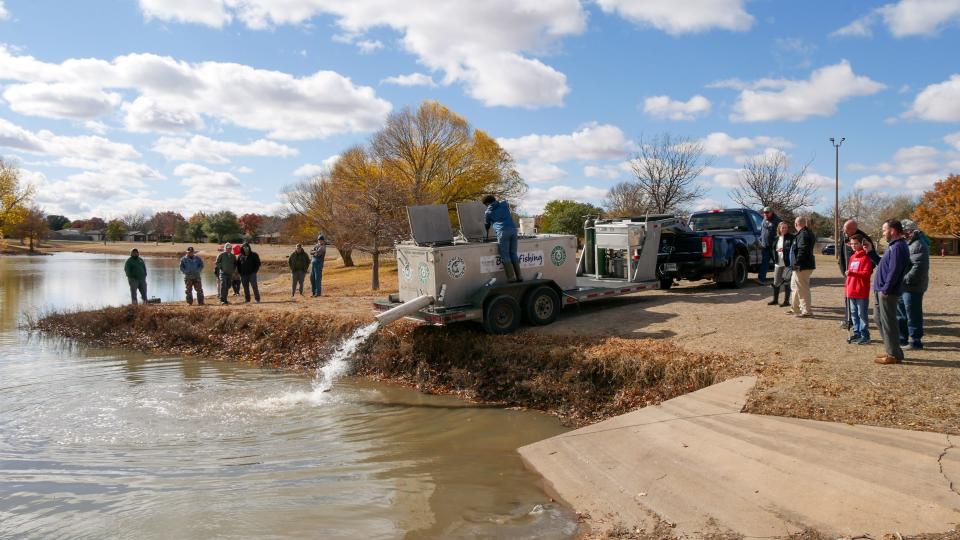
836 195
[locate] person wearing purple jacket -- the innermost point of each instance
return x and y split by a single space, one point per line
888 286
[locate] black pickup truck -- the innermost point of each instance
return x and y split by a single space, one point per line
722 245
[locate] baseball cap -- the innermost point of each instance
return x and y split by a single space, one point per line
908 224
767 209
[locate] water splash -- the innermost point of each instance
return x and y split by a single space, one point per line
339 363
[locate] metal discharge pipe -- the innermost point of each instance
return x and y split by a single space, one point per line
404 309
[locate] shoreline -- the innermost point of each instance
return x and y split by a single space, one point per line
579 380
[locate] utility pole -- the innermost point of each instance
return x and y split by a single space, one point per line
836 195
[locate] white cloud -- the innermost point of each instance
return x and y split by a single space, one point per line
312 169
412 79
174 95
147 115
664 107
953 139
907 18
195 175
244 170
706 203
938 102
47 143
368 46
913 168
538 172
4 14
783 99
592 142
60 100
610 172
97 127
723 176
722 144
682 17
486 51
537 198
201 148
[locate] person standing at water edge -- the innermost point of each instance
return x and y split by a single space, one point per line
498 216
136 271
768 239
299 263
915 281
887 286
248 264
191 267
225 267
319 253
235 284
804 264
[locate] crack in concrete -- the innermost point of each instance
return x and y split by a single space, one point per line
940 463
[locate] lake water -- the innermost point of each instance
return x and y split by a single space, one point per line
99 443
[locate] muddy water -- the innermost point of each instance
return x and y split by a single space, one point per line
104 443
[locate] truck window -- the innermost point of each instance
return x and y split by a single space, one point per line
719 221
757 221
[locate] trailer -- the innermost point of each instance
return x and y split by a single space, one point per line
446 279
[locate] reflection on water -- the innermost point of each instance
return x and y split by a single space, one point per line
104 443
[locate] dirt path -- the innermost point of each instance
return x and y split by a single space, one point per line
808 370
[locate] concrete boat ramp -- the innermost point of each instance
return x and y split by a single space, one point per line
699 463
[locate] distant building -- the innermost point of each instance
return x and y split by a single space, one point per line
96 235
268 238
154 236
948 243
134 236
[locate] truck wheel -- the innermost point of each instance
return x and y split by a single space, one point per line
541 306
666 283
502 315
739 272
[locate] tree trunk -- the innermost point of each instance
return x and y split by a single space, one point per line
375 278
347 256
31 243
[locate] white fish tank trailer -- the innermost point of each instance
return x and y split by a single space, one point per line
446 278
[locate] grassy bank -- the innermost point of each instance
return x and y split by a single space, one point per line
580 379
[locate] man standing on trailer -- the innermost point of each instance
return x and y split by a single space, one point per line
498 216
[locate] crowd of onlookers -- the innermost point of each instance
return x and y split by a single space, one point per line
236 267
900 278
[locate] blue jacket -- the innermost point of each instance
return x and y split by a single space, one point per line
893 265
191 268
498 215
768 232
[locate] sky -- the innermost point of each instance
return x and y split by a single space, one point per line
113 107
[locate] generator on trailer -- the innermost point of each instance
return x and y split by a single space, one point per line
445 278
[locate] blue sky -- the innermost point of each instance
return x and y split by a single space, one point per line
118 106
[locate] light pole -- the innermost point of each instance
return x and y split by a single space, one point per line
836 195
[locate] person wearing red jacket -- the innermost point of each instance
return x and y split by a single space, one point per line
857 291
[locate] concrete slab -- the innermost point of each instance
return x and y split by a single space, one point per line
700 463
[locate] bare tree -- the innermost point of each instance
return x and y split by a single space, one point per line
315 202
766 180
626 199
666 170
134 222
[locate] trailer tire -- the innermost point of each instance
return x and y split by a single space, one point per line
501 315
541 306
666 283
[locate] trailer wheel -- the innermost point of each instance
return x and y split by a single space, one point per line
541 306
501 315
666 283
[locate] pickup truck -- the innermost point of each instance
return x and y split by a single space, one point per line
722 245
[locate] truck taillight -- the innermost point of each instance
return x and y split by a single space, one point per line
706 246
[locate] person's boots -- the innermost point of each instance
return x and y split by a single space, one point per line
776 296
786 297
508 268
516 271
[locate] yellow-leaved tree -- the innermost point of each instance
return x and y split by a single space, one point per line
939 210
427 156
14 196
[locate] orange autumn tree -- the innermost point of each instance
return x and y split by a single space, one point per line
939 210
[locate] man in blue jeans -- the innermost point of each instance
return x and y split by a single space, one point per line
915 281
319 253
498 216
768 240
